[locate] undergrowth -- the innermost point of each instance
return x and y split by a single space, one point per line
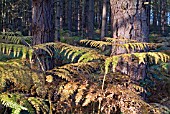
87 80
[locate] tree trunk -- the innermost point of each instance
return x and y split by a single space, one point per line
42 27
163 17
77 17
4 24
57 20
155 16
61 14
91 19
159 17
1 6
69 15
83 5
104 19
30 17
129 20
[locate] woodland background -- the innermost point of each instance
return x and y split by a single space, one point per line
85 56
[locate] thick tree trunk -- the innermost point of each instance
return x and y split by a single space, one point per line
129 20
42 27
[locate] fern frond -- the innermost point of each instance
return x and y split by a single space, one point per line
72 51
20 74
16 50
68 90
136 46
74 71
80 93
39 104
8 100
12 37
97 44
118 40
151 57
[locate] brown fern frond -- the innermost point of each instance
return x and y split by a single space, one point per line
74 71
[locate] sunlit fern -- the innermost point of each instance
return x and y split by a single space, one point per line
143 57
130 47
12 37
71 52
10 100
19 73
72 72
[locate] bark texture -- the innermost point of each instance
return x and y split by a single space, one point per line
57 20
104 19
42 24
129 19
91 19
43 28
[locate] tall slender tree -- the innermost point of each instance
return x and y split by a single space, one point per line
57 20
69 15
104 19
91 19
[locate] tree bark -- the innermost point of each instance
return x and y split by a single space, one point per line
163 17
77 17
69 15
129 20
155 12
57 20
83 5
1 15
42 27
91 19
104 19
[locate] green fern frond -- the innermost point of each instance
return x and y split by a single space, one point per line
72 51
136 46
97 44
8 100
118 40
19 73
16 50
12 37
151 57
